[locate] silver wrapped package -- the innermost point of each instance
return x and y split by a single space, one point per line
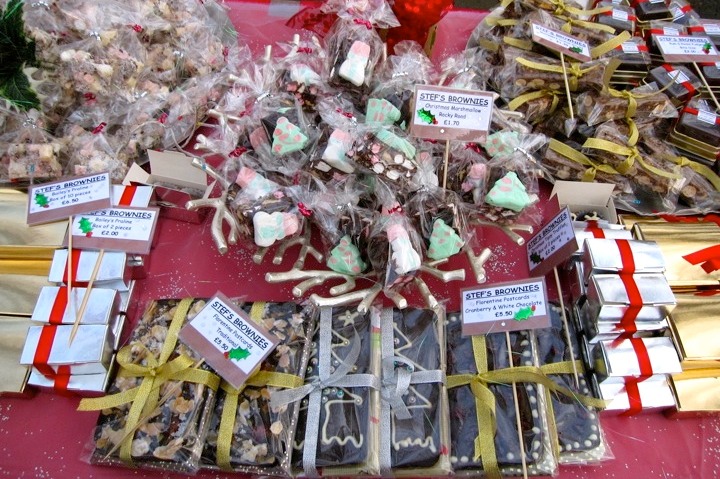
632 396
635 357
612 297
55 305
113 271
622 256
47 348
598 229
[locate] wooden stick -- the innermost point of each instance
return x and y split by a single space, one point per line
517 409
566 328
83 305
567 85
704 80
446 160
69 263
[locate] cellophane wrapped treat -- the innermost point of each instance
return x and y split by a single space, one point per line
157 410
354 47
475 448
246 434
645 102
579 433
414 430
338 425
29 153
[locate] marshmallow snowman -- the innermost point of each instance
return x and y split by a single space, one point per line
335 153
353 68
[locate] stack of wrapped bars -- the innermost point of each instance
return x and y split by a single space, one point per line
85 364
624 322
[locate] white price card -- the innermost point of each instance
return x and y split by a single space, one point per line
553 244
116 229
511 306
561 42
60 199
451 114
228 340
686 49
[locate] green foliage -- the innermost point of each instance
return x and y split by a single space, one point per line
16 53
536 258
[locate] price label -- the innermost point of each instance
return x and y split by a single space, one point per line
60 199
116 229
510 306
562 42
711 28
621 15
707 117
553 244
630 47
451 114
228 339
686 49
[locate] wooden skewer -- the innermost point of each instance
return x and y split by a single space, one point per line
69 263
709 89
83 305
517 409
566 328
567 85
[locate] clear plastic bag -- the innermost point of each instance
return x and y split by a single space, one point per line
29 153
170 435
466 426
647 102
261 439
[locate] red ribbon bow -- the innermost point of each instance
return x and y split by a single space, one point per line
304 210
307 50
238 152
361 21
99 128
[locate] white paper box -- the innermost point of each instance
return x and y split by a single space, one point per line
655 395
86 385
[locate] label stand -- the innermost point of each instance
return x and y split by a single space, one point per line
567 85
521 440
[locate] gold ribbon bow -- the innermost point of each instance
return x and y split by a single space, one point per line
259 379
574 69
534 95
699 168
631 154
574 155
485 399
154 374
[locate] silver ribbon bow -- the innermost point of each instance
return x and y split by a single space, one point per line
398 374
326 378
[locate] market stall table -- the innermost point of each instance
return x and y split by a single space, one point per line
45 437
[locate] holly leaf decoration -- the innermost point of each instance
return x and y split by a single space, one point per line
524 314
16 52
237 354
536 258
706 48
41 200
576 49
427 116
85 225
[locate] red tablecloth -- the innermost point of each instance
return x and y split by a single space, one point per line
44 437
